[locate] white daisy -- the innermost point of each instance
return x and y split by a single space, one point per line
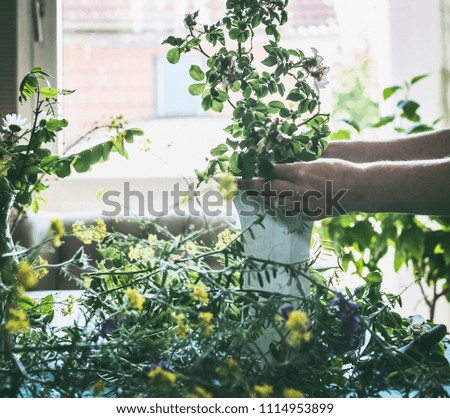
44 116
15 123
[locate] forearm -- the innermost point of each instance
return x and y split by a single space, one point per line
419 187
425 146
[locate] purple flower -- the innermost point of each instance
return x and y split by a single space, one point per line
161 363
105 328
286 311
348 312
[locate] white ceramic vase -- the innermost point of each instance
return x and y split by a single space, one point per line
280 238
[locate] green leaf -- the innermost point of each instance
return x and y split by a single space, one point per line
197 89
217 106
48 92
196 73
409 108
25 303
35 206
83 162
63 168
373 278
352 123
417 78
97 153
238 112
383 121
107 148
411 243
308 155
418 128
207 102
285 113
220 95
295 95
234 163
219 150
248 118
56 125
193 43
270 61
276 104
47 304
234 33
247 92
389 91
137 131
341 134
172 40
247 164
173 55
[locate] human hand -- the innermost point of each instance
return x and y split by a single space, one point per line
316 189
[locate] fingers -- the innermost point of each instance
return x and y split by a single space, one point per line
293 207
267 188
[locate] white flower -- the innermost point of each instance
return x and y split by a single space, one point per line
15 123
418 324
318 71
44 116
282 137
319 79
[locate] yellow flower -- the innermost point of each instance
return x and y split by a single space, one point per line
297 323
99 230
199 392
99 387
40 271
152 239
206 318
26 277
139 252
100 193
231 372
232 363
88 282
224 239
199 293
182 328
227 185
136 299
190 247
145 145
158 374
58 230
19 323
68 309
86 235
292 393
263 391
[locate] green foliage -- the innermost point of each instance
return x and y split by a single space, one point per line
25 157
351 102
418 241
171 301
264 130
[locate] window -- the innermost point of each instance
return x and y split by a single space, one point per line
8 48
171 85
